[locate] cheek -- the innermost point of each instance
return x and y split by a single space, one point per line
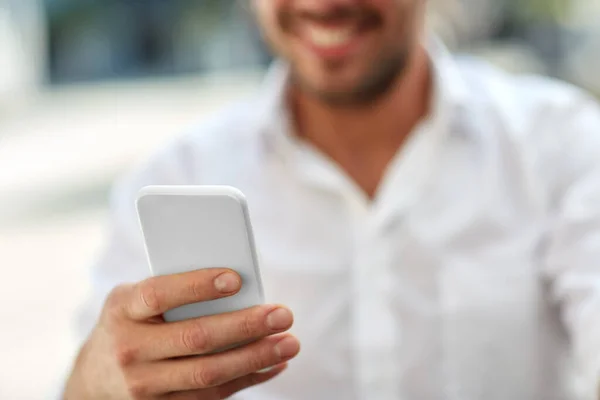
266 13
402 21
269 8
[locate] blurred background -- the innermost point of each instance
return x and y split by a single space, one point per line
89 87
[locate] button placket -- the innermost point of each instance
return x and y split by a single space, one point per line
375 328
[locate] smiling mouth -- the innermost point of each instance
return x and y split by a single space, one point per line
334 35
335 40
329 37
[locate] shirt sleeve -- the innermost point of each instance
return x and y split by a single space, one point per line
572 260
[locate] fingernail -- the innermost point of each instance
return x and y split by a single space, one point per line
279 318
227 282
287 347
265 370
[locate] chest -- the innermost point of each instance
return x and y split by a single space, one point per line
464 246
442 271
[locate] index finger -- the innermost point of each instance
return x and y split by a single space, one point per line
154 296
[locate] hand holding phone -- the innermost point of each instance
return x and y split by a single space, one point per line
132 353
165 336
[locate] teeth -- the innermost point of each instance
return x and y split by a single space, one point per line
329 37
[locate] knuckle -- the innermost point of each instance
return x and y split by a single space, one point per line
150 296
116 293
198 289
204 377
266 355
248 325
137 388
125 354
114 300
259 358
196 339
255 365
265 358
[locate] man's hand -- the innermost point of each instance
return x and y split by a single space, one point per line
133 354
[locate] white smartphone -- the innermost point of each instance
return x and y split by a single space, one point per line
188 228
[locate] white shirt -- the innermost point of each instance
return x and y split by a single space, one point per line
474 274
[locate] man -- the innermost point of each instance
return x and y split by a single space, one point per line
433 224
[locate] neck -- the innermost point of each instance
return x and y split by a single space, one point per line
363 140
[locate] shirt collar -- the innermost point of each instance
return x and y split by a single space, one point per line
449 83
448 102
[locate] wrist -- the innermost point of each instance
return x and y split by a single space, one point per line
76 386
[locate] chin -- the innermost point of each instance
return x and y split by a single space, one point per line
350 84
338 91
338 97
333 82
337 77
334 87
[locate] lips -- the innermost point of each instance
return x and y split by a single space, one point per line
334 35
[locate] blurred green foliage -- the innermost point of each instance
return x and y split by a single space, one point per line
542 10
